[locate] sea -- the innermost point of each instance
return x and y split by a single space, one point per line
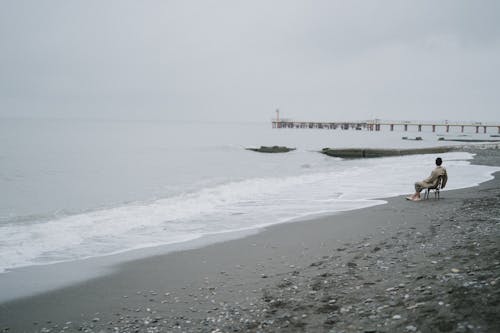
72 189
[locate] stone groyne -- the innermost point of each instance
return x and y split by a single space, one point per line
371 152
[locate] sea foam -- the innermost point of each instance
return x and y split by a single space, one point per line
235 205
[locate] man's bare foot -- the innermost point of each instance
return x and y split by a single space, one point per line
415 199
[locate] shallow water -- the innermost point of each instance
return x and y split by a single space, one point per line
79 189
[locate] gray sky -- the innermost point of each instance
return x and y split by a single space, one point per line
240 60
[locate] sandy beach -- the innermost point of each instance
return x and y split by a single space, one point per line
430 266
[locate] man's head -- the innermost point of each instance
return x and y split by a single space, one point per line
439 161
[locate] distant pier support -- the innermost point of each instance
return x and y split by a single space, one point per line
377 125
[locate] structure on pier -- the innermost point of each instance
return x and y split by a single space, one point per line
377 125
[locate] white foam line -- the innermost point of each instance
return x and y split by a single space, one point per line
228 208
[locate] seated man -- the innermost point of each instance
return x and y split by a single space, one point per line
431 181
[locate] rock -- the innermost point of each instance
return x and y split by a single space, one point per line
317 263
273 149
330 321
445 325
327 308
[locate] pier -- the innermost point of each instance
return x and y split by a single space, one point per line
378 125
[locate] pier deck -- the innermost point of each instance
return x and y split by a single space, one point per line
391 125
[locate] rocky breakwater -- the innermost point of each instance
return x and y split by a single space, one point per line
372 152
468 140
271 149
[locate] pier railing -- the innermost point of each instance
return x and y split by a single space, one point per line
377 125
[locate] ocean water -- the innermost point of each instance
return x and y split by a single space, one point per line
74 189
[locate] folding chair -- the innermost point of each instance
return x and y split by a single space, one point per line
436 188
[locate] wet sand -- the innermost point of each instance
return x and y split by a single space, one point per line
430 266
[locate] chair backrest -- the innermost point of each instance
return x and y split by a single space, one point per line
439 183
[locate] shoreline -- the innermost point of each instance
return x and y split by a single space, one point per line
58 275
18 285
174 245
187 287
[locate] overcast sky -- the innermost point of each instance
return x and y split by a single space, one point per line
240 60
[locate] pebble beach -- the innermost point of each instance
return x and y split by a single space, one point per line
429 266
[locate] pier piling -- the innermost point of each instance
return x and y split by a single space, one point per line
377 125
